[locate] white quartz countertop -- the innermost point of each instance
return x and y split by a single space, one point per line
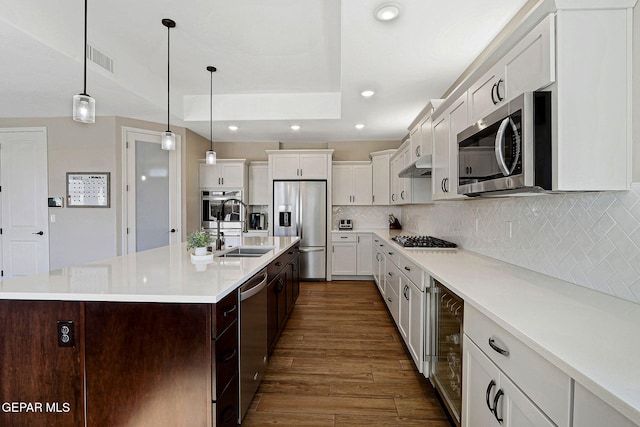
165 274
591 336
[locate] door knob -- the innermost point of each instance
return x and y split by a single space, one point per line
39 233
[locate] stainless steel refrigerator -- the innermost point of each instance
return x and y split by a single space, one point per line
300 209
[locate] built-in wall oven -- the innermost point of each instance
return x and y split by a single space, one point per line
446 369
231 217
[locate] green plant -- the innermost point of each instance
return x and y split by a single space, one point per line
199 239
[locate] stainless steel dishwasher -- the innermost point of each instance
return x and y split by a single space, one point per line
253 338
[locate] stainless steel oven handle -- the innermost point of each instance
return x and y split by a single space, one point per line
255 289
499 146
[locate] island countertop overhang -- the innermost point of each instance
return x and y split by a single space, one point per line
165 274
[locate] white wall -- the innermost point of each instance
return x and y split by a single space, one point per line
590 239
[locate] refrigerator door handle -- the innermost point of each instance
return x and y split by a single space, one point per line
300 216
318 249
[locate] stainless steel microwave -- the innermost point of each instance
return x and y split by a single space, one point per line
509 151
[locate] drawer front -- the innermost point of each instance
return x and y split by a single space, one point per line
279 263
224 360
344 237
224 313
412 271
546 385
392 254
226 409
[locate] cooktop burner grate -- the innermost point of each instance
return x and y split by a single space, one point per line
423 242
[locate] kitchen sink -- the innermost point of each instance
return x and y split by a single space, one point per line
246 252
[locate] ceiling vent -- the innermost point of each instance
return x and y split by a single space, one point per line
100 58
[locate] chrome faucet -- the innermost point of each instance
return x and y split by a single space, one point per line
244 225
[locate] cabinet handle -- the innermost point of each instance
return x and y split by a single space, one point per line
442 185
228 355
393 197
404 292
228 414
390 253
233 308
446 185
500 98
493 89
499 394
389 299
390 274
222 179
402 194
418 151
344 237
278 264
492 383
493 345
407 268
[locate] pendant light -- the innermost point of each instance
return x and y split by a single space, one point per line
168 137
210 157
84 106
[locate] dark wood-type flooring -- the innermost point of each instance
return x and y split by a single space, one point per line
340 362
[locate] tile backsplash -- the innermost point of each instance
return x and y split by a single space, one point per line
590 239
365 216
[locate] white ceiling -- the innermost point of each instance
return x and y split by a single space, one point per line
280 62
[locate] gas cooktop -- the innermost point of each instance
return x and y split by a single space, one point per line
423 242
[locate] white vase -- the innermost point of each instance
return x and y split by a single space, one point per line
201 251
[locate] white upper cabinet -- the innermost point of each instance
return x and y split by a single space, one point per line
259 183
300 164
226 173
420 132
528 66
446 125
351 183
380 164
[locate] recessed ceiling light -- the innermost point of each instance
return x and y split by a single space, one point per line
233 128
359 126
295 127
387 12
367 93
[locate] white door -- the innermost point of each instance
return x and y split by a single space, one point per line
23 176
151 184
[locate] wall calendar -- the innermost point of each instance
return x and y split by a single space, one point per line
88 189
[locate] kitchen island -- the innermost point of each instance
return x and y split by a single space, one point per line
144 339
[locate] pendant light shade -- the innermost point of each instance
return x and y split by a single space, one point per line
210 157
168 137
84 106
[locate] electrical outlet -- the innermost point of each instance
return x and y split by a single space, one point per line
66 333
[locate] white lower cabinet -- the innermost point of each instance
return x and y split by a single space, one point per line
505 379
490 398
343 258
590 411
364 248
391 291
379 263
411 326
351 254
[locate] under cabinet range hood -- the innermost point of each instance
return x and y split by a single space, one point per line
420 169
